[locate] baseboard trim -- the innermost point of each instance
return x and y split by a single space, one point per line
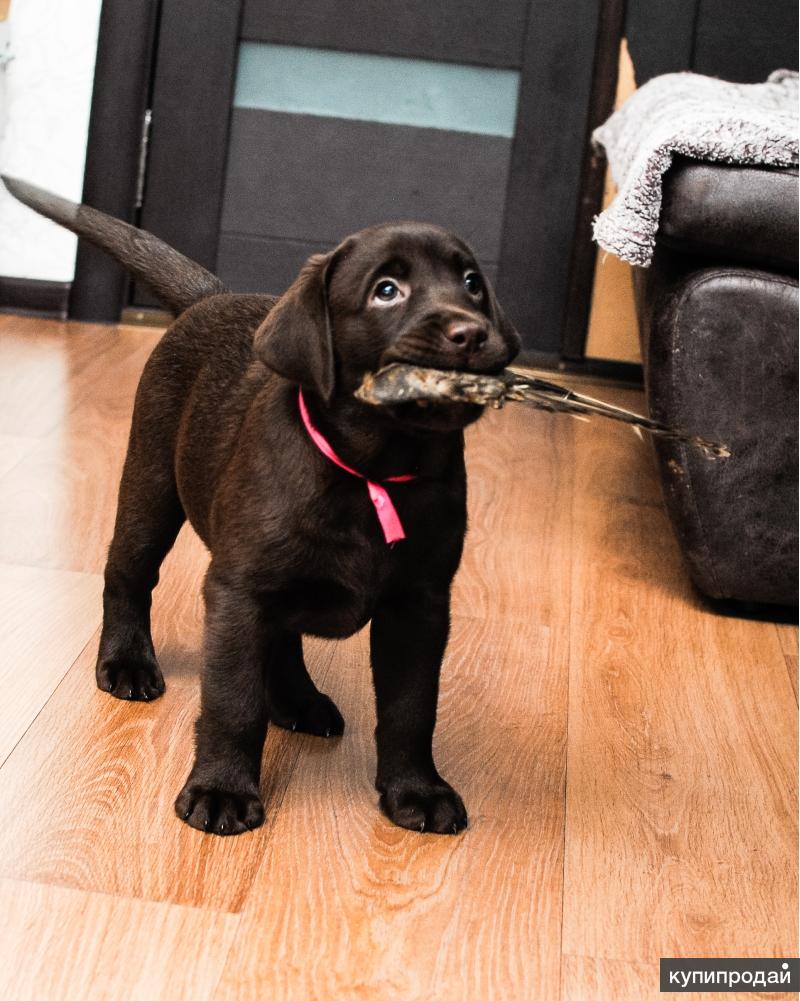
33 297
626 372
145 316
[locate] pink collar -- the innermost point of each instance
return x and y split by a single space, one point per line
384 508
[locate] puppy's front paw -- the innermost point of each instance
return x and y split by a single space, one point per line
130 677
318 716
423 806
219 811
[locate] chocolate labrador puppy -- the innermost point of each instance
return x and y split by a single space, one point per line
244 419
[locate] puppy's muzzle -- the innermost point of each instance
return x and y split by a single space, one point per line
454 339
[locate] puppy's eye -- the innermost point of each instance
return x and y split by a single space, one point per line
473 283
386 291
389 291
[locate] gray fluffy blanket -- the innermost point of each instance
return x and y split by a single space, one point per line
693 116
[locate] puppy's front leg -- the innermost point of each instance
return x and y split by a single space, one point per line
221 794
407 640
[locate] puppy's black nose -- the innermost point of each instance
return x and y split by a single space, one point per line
467 335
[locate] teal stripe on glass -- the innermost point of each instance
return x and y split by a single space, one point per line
376 88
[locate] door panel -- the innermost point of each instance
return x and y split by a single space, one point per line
249 262
313 180
468 31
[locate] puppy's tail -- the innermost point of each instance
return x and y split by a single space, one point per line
176 281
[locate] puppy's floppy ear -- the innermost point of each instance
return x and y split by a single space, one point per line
295 339
502 324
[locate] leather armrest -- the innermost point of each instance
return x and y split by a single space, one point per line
731 213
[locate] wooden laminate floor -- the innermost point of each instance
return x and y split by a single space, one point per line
628 758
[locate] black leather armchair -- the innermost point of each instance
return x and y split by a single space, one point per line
718 319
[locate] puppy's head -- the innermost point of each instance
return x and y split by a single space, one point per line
405 292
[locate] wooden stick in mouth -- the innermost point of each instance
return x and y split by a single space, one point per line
398 383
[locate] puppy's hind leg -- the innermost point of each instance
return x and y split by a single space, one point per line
295 702
149 517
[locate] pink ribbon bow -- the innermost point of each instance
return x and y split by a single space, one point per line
384 508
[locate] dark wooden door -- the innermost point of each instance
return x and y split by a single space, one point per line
278 129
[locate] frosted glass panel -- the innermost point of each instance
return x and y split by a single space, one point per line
373 88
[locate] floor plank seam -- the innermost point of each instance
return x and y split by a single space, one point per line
47 701
297 748
570 615
10 561
13 466
241 928
123 897
791 670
